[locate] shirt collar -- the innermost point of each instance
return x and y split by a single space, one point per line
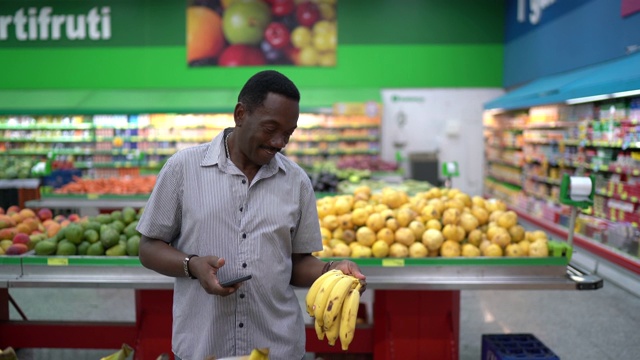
215 151
216 154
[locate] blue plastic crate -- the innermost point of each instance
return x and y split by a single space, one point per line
60 177
515 347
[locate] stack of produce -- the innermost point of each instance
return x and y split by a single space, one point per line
21 229
438 222
131 185
114 234
14 167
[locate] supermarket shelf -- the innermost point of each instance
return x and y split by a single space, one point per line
616 257
384 274
88 272
20 184
11 269
94 201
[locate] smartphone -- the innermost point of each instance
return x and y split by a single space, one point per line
235 281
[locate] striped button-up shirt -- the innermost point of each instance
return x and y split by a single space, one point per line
203 204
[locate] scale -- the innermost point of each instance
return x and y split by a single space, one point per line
577 192
450 170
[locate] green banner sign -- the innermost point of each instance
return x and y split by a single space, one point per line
99 23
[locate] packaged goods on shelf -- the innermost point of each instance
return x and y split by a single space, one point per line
146 141
599 138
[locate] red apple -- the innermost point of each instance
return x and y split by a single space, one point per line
307 13
282 7
241 55
277 34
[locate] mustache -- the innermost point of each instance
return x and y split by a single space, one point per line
270 148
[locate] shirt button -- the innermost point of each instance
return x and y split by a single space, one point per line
241 296
244 236
241 325
244 265
240 209
244 181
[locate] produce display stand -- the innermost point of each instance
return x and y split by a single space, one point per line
23 190
89 204
416 306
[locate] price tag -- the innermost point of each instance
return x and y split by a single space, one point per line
392 262
93 196
56 261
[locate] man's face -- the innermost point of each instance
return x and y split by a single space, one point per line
267 129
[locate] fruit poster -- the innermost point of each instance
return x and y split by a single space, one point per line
233 33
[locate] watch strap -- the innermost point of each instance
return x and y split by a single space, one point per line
185 266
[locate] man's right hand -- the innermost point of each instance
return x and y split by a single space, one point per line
205 269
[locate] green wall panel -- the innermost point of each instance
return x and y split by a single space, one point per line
420 21
382 44
153 67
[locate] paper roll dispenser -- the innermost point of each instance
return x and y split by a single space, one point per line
577 191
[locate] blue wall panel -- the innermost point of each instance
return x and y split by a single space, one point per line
569 34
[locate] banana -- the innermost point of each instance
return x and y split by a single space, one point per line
349 316
334 304
320 303
259 354
315 287
334 332
319 330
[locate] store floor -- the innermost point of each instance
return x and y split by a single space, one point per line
576 325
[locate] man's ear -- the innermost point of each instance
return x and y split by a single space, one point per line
238 114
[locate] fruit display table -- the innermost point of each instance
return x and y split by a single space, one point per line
18 191
416 302
87 204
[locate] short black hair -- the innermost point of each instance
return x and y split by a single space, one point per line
255 90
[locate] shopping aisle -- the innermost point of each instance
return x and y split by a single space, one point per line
577 325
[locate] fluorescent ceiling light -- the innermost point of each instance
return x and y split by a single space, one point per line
588 99
626 93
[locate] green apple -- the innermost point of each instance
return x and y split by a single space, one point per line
244 22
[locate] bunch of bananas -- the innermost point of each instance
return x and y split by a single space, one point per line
259 354
333 302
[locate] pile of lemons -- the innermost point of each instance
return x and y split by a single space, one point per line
439 222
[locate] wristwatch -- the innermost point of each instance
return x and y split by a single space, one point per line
185 266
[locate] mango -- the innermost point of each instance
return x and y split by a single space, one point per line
95 249
83 247
66 248
117 250
91 236
4 244
133 245
45 247
17 249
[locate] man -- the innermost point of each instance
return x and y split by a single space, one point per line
236 207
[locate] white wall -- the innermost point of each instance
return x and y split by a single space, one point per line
445 120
